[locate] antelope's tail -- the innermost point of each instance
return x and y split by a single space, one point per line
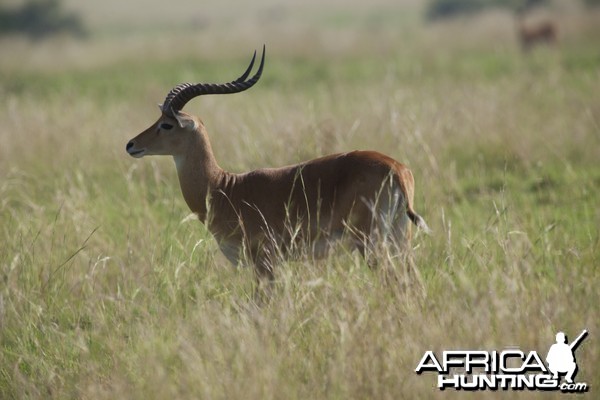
418 221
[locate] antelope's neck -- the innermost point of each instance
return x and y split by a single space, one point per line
198 174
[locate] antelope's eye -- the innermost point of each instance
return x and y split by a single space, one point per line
166 126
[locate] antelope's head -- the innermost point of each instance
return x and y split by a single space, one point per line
172 132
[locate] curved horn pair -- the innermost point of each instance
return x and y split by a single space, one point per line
184 92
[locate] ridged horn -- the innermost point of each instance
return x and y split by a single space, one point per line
184 92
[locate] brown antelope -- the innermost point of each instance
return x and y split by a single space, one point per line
531 35
361 195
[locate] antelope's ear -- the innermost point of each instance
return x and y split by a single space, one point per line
184 120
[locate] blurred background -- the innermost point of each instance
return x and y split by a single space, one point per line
68 33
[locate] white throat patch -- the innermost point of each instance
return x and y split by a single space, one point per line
179 160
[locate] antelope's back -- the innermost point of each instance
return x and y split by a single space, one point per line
318 195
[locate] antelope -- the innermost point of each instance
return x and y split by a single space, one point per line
360 195
543 32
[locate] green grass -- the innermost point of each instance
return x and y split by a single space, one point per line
109 290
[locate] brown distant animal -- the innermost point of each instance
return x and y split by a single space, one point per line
543 32
257 216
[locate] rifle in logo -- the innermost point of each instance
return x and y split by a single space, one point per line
561 359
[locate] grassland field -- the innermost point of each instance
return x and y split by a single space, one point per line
109 289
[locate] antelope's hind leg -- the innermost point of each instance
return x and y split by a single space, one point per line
384 241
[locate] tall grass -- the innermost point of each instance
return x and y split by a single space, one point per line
109 290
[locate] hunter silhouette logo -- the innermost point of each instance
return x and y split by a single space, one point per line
560 357
509 369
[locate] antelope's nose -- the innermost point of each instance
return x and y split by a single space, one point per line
131 150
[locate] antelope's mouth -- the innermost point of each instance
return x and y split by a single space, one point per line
136 153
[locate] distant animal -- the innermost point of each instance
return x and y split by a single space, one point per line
530 35
364 196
